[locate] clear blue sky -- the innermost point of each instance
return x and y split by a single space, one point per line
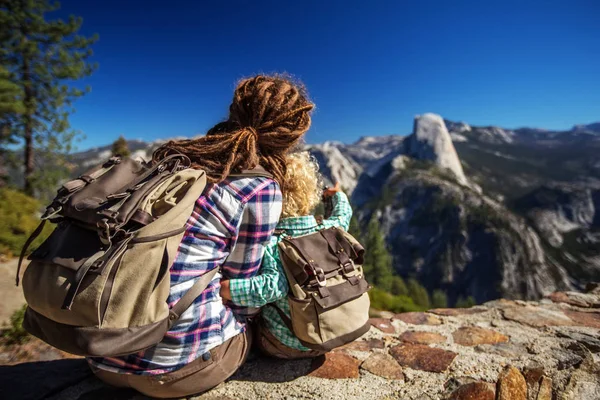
168 68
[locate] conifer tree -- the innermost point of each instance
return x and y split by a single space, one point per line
11 106
10 96
120 147
354 228
465 302
439 299
44 57
378 261
399 287
418 293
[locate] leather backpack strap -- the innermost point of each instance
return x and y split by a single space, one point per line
259 171
188 298
336 247
28 242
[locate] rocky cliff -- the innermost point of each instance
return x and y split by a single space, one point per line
431 141
454 238
501 350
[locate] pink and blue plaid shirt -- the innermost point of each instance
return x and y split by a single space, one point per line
230 224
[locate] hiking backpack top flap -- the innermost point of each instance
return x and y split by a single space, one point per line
98 285
328 296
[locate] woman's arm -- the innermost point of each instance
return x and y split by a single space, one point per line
266 287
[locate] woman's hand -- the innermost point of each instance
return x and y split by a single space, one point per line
225 292
330 192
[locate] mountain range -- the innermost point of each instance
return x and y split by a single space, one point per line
485 212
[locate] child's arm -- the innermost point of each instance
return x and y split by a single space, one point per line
268 286
341 212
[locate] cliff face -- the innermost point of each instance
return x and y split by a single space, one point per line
457 239
501 350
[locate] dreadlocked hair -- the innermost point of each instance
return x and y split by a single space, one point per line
267 117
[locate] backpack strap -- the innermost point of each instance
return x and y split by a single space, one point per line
28 242
337 248
343 258
188 298
258 171
318 271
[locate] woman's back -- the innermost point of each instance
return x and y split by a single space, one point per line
228 224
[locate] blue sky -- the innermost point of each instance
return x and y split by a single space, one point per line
169 68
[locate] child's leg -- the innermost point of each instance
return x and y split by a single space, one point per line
270 346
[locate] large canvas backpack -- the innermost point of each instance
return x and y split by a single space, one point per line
98 285
328 296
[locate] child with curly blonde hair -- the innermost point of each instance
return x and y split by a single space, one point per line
301 194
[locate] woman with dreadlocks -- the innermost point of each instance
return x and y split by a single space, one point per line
231 222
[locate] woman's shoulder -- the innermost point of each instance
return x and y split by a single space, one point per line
248 188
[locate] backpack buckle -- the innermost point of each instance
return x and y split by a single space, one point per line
51 212
320 277
104 232
348 268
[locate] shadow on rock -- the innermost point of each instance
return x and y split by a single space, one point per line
112 393
272 370
40 380
56 380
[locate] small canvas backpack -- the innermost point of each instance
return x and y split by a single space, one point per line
328 296
98 285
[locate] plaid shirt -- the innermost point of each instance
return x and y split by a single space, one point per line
270 285
230 224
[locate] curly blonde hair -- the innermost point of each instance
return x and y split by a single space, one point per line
301 186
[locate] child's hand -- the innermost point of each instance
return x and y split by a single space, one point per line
225 292
330 192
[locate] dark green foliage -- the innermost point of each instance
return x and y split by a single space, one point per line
14 333
418 293
43 57
10 105
465 303
439 299
17 220
485 215
438 209
378 261
386 198
10 95
354 228
502 168
398 286
382 300
120 148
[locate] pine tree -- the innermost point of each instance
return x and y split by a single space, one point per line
354 228
439 299
465 303
378 261
120 147
10 107
399 287
10 96
43 58
418 293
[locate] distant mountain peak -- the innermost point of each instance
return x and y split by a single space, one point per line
431 141
589 128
